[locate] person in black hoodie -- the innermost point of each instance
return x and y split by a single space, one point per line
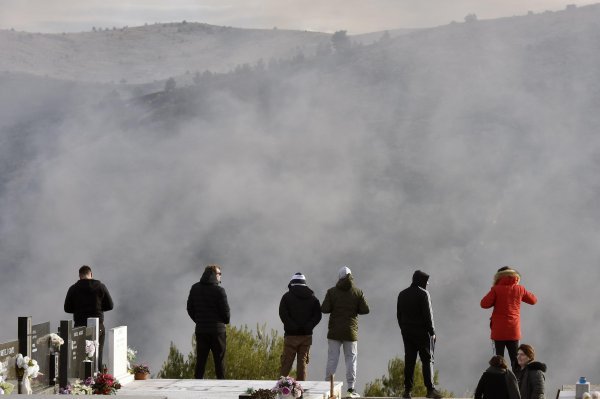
530 374
208 308
89 298
497 382
415 318
300 312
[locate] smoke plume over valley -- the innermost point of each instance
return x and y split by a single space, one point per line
454 150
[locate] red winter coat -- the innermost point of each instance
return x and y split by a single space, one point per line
506 296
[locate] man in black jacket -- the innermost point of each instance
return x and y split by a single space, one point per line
89 298
300 312
207 306
415 318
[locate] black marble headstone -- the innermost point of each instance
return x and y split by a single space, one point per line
78 336
40 351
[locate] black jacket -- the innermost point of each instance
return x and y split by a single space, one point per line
497 383
532 381
414 306
299 310
87 298
207 304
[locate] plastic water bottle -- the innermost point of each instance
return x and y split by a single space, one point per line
581 387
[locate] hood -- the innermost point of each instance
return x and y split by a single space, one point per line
88 285
496 370
209 278
507 277
537 366
346 283
420 279
301 291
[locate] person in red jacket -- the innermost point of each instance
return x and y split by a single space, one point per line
505 297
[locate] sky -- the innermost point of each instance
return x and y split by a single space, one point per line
354 16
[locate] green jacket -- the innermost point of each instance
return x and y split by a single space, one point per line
345 302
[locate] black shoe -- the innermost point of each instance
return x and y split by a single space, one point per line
434 393
407 395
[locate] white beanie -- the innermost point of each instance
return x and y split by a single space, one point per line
298 279
343 272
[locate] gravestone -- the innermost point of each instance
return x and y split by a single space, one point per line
78 336
8 354
65 333
40 351
94 324
117 354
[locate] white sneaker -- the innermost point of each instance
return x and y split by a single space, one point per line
351 393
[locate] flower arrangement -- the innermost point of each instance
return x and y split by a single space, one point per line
78 387
5 387
131 355
287 386
141 368
27 368
54 341
90 348
105 384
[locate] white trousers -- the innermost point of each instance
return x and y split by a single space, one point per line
350 355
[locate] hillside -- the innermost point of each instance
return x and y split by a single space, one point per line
147 53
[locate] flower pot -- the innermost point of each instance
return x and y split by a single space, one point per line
141 376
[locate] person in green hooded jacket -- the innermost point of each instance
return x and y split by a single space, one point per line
344 303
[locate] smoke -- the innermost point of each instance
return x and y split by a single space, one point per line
454 151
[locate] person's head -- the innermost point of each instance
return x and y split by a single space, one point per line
507 271
420 278
85 272
297 279
525 355
498 361
214 269
343 272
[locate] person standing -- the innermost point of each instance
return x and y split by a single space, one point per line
300 312
530 374
415 318
505 297
207 306
89 298
344 303
497 382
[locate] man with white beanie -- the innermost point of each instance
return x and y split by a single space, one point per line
300 312
344 303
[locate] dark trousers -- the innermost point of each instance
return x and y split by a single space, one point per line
417 342
210 342
295 345
511 347
101 333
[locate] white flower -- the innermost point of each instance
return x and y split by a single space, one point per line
90 348
1 391
21 362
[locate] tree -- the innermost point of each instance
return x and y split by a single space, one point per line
170 84
249 356
340 41
393 384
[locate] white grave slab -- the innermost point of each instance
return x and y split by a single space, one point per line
117 354
213 389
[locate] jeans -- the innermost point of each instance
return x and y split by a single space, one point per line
512 348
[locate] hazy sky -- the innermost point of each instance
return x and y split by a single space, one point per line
355 16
